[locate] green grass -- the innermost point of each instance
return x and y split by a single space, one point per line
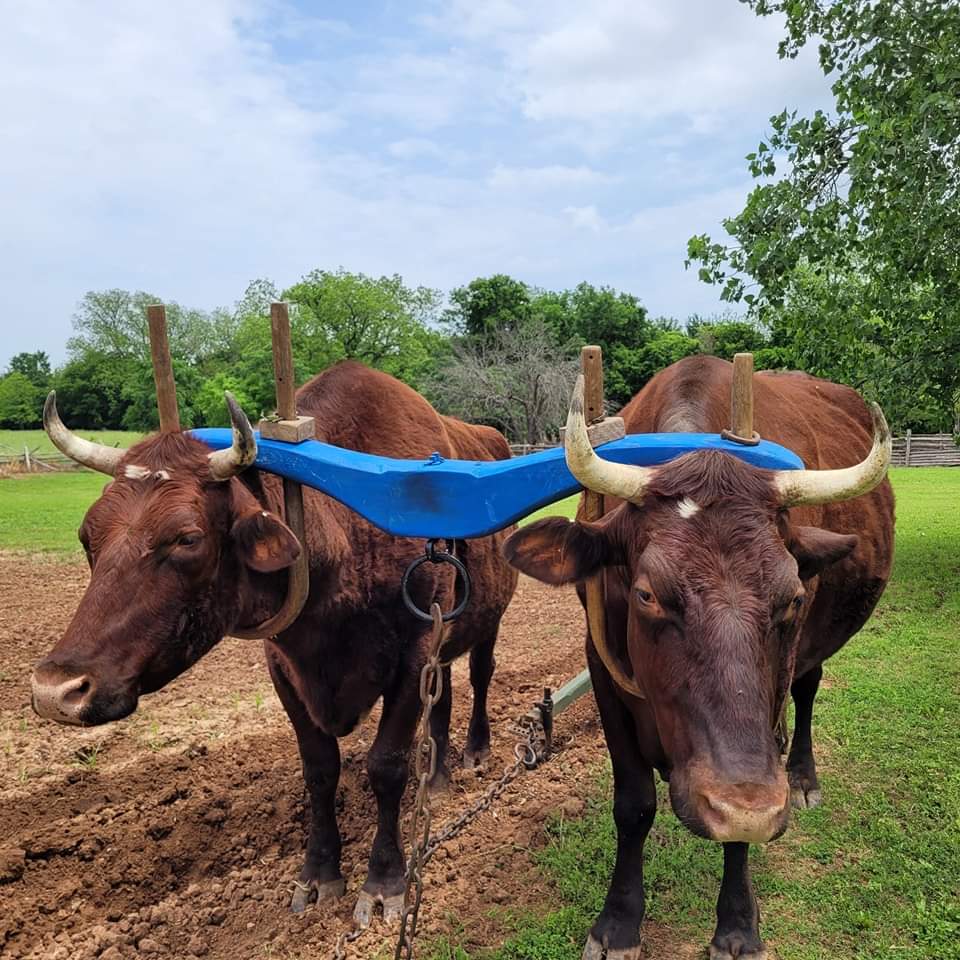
871 874
40 513
875 871
38 443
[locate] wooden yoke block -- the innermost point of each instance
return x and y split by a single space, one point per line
288 431
603 431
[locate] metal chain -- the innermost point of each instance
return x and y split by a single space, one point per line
425 766
528 753
339 950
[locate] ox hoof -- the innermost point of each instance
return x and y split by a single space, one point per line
316 891
475 758
595 950
440 783
720 953
802 799
367 906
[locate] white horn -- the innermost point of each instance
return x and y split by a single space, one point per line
799 487
96 456
225 464
614 479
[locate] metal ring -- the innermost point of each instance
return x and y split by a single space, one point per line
743 441
433 555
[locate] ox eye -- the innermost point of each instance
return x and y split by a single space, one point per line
188 540
797 603
644 596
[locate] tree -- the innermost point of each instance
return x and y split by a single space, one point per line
517 379
489 305
89 390
210 404
868 198
20 402
379 321
725 336
34 366
114 323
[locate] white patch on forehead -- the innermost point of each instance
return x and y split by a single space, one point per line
687 508
133 471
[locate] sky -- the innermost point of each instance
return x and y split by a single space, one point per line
186 148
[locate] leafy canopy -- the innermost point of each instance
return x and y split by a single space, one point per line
865 197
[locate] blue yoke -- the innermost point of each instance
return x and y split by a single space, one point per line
461 499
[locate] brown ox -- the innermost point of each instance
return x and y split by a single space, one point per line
726 587
182 552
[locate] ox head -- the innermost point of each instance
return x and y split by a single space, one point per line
171 542
717 581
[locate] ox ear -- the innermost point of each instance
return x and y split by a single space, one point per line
264 541
815 548
557 551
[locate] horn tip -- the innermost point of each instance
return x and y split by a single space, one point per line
880 427
576 401
50 407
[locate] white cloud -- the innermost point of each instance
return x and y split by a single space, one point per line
545 178
413 147
586 217
627 60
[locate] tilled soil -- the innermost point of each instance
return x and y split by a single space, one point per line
179 831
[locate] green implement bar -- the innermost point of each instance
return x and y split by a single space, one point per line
571 691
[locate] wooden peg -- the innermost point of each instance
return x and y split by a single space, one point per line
163 369
288 427
741 402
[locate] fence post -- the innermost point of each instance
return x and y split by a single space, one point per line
906 451
26 458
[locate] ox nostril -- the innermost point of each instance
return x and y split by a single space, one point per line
75 691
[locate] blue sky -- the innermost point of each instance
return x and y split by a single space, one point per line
187 148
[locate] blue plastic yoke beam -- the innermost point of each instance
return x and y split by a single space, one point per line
468 498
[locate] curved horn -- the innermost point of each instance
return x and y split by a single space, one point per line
602 476
96 456
225 464
799 487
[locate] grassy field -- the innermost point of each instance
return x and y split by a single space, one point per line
873 873
38 443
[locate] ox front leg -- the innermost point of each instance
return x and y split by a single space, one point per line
320 878
482 664
387 766
801 767
616 933
738 916
440 731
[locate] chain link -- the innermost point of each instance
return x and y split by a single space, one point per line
425 766
340 950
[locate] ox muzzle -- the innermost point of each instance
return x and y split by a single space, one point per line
732 812
73 696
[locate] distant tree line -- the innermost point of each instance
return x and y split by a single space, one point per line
496 350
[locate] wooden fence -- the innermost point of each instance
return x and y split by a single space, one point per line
911 450
925 450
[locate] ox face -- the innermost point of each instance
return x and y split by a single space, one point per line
716 586
172 550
